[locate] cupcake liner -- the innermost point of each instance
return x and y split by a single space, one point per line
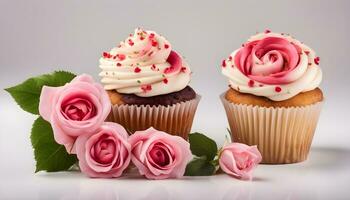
175 119
283 135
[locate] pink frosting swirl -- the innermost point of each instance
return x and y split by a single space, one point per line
271 60
273 65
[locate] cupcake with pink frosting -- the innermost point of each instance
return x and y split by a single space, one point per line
274 99
148 84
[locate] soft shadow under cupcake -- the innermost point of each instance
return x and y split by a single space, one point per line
328 158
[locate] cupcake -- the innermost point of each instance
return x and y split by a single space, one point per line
273 100
147 83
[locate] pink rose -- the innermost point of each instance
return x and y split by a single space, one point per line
158 155
77 108
239 160
104 153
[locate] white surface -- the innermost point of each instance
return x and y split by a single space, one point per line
41 36
311 180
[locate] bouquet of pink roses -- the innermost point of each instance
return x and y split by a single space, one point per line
72 130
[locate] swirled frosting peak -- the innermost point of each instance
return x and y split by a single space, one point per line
145 65
273 65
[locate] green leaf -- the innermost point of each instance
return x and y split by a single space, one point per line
199 167
27 94
201 146
49 155
229 131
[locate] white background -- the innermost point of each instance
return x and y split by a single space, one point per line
41 36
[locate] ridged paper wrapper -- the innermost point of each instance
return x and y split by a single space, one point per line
175 119
282 134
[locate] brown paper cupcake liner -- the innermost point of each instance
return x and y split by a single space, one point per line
175 119
283 135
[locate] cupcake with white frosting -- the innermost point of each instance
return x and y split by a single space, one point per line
147 82
273 101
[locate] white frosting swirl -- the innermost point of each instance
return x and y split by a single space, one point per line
266 76
145 65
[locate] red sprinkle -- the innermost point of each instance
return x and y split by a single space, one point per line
151 35
137 70
267 31
278 89
251 83
183 69
118 64
307 52
150 53
146 88
154 43
166 46
165 81
153 67
168 69
317 60
106 55
121 56
130 42
230 58
223 63
142 38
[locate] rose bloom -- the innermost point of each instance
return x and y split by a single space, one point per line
77 108
159 155
105 153
239 160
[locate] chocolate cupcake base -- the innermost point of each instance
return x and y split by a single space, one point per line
183 95
172 113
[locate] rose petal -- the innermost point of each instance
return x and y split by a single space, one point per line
176 149
46 101
239 160
89 162
61 137
77 108
83 78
